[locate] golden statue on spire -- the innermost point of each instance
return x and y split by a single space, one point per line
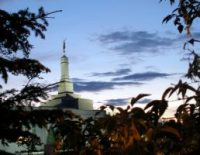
63 46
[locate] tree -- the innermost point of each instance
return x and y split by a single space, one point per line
140 131
17 113
183 16
132 130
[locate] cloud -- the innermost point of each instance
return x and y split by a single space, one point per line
78 80
81 85
100 85
117 102
144 101
126 42
196 35
115 73
143 76
151 67
124 101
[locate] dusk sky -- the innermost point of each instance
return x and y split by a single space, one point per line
116 48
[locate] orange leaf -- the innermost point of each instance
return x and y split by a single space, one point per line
171 130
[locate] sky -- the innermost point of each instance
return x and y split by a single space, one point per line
117 49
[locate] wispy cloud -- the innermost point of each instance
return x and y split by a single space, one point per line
93 86
117 102
196 35
125 101
126 42
124 71
151 67
81 85
145 76
144 101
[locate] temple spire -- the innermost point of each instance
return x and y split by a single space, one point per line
66 98
65 84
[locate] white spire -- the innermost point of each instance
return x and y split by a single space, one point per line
65 84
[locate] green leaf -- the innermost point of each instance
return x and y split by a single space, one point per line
180 28
167 18
192 109
151 104
121 110
102 108
166 92
158 107
162 107
111 107
138 112
189 98
176 87
172 2
134 100
181 108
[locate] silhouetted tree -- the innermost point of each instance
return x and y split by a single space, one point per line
132 130
17 114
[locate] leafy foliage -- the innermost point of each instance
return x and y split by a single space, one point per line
142 131
133 130
15 30
17 114
184 15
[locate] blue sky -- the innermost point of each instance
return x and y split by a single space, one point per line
117 49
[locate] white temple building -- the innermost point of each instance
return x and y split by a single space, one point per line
66 99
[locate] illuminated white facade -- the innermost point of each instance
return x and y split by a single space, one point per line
66 98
